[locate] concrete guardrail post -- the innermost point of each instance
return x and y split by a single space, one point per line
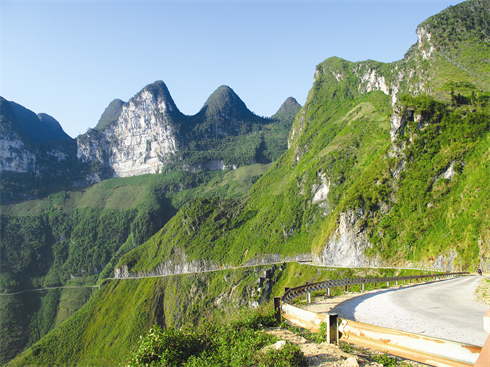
484 357
308 295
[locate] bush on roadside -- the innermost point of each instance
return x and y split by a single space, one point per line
237 342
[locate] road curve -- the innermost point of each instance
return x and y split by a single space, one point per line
446 309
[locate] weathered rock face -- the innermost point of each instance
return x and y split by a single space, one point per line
140 140
147 133
180 264
20 154
14 157
347 245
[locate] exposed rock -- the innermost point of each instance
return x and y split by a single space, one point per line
277 345
141 139
347 244
320 192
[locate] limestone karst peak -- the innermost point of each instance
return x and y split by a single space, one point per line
226 103
40 128
288 109
111 114
290 104
159 91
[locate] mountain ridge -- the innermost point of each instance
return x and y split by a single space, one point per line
41 127
386 166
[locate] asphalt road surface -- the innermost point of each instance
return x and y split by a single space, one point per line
446 309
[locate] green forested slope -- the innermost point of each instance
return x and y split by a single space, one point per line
387 164
432 183
107 329
277 216
75 238
346 134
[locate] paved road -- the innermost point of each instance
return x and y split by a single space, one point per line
49 288
447 309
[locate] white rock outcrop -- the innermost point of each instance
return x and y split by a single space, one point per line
14 157
139 142
347 244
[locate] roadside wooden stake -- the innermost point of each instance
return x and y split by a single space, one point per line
333 328
277 309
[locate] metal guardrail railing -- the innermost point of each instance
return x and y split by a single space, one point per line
433 351
292 293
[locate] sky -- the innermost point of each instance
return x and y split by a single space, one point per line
70 59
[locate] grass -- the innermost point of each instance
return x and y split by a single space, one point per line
341 138
84 233
108 327
236 342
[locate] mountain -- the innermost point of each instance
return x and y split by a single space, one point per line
386 165
288 110
110 115
147 134
77 229
150 135
383 168
40 128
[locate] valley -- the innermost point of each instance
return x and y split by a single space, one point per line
385 166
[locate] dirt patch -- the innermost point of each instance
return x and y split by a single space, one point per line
483 291
331 355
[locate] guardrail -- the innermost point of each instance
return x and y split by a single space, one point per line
402 343
292 293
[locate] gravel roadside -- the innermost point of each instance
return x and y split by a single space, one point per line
330 355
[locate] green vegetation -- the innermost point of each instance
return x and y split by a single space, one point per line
277 215
238 342
405 192
107 329
83 234
415 194
111 114
440 202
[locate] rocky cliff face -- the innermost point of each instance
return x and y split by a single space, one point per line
19 153
14 157
446 55
147 133
140 141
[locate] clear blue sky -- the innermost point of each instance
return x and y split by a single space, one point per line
70 59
